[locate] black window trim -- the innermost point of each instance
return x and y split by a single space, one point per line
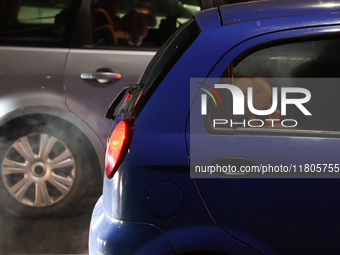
83 26
146 95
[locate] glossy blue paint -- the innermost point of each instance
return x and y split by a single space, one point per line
271 213
125 197
231 216
285 214
208 19
165 199
112 236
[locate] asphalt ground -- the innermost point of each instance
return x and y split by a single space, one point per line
66 235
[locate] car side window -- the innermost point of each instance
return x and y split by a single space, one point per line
304 72
141 23
299 59
34 22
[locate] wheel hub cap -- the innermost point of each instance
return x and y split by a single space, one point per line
38 170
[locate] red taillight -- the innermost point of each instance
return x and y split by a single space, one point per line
118 146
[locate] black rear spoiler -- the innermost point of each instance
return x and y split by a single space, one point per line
111 110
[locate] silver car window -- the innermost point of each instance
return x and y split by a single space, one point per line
142 23
34 22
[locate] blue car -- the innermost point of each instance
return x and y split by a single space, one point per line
229 143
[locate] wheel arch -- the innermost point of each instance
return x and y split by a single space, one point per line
62 115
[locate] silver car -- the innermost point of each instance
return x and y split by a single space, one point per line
61 64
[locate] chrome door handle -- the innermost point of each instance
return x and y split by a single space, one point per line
101 77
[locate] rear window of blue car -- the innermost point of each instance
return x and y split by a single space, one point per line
307 69
162 63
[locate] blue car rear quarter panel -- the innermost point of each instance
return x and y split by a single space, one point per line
158 154
111 236
126 197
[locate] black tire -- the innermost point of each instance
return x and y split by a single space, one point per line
46 171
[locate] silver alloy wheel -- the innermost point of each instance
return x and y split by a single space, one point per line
38 170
